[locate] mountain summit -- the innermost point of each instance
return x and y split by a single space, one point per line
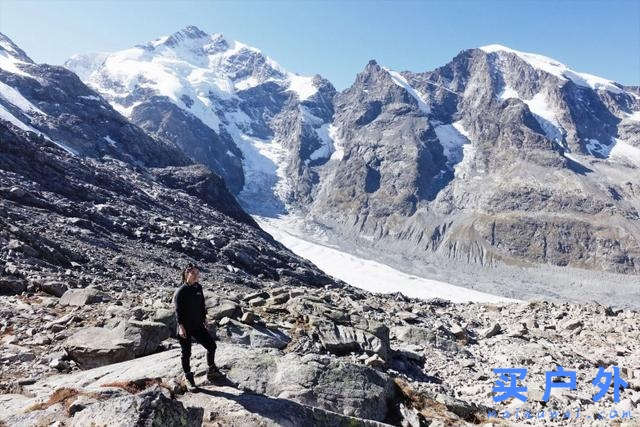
223 102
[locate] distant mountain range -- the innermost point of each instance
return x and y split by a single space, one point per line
499 156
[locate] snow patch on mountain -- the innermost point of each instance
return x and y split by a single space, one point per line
326 148
302 86
546 117
14 97
558 69
338 145
6 115
403 83
452 142
625 151
541 110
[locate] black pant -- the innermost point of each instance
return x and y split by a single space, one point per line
202 336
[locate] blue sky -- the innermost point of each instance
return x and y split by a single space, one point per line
337 38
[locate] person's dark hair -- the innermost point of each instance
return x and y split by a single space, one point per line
184 272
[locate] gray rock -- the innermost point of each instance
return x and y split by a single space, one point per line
12 285
168 318
491 331
80 297
146 336
413 335
150 407
572 324
222 309
229 407
93 347
54 287
257 302
341 339
248 317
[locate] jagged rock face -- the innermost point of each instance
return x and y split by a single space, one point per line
227 105
497 156
53 102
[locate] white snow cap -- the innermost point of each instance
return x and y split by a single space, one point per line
558 69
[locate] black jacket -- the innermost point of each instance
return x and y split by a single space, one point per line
189 304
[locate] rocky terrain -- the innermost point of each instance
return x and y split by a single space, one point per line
91 251
298 355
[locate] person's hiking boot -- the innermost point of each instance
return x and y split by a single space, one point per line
191 383
214 374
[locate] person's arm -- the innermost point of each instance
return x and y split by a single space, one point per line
203 308
178 300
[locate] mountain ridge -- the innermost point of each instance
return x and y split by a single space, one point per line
487 139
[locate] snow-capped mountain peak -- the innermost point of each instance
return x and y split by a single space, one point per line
11 56
221 100
557 68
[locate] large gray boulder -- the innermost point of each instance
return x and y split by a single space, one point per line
231 407
146 336
320 381
342 339
80 297
236 332
168 318
413 335
12 285
148 408
93 347
223 308
54 287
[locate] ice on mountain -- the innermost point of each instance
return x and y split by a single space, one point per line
456 147
14 97
302 85
110 141
402 82
558 69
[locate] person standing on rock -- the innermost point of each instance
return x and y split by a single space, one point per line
191 314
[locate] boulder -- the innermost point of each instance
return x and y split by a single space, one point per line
257 302
93 347
148 408
413 335
236 332
310 306
320 381
80 297
223 308
248 317
571 324
12 285
328 383
54 287
491 331
168 318
146 336
342 339
230 407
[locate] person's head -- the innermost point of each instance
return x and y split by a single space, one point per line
190 274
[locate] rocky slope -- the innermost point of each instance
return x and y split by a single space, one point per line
498 157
